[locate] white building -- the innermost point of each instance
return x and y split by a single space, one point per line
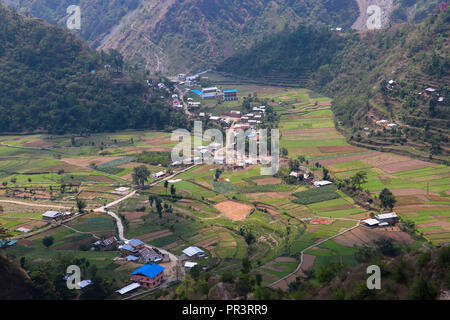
52 215
194 252
322 183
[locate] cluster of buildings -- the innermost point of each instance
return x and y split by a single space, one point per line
309 178
383 122
148 276
214 93
381 220
176 102
151 275
135 250
54 215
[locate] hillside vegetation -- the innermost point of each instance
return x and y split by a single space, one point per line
51 81
181 35
355 69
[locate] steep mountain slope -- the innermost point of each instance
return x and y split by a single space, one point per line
51 81
355 71
177 35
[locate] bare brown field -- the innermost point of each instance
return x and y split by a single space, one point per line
364 157
157 141
408 200
285 259
265 181
102 179
409 192
405 166
295 132
340 149
236 211
134 215
268 195
86 162
39 143
362 235
32 224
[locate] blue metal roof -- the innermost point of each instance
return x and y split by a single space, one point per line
197 92
149 270
229 91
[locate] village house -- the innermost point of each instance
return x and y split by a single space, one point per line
109 243
127 250
371 223
322 183
387 218
159 174
136 243
128 288
149 255
194 252
148 276
52 215
189 265
230 95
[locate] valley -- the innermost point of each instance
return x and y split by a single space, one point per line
283 232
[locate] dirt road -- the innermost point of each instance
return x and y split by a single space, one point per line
291 277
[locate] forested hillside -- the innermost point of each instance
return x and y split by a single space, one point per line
51 81
97 19
355 69
181 35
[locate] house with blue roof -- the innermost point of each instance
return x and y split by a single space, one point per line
229 95
149 275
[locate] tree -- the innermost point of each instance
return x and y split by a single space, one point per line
284 152
166 185
140 175
217 174
358 179
423 289
326 175
195 272
387 199
173 191
159 207
81 205
47 241
151 199
246 265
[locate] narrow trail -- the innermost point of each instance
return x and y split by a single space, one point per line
308 248
34 204
78 231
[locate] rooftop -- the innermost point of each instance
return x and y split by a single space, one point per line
192 251
128 288
135 242
149 270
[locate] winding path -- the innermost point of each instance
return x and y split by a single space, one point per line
273 285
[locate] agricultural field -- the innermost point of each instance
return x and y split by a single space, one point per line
235 215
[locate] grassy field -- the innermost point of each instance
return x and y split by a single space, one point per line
33 168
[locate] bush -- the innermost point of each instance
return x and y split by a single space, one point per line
48 241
